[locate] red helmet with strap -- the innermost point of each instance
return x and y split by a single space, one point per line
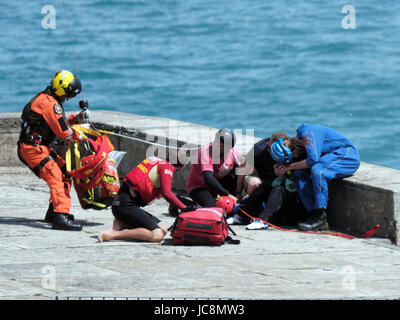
225 203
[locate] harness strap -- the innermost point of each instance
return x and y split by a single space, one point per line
53 156
36 170
229 240
230 229
82 130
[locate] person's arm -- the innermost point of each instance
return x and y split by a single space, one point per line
240 183
281 169
298 165
78 118
240 176
314 147
166 173
207 172
240 179
54 117
214 184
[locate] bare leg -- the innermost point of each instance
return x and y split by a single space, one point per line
117 226
163 228
252 185
142 234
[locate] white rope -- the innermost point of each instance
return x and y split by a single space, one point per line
113 133
154 143
72 44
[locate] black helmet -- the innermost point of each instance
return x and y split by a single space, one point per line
74 88
226 136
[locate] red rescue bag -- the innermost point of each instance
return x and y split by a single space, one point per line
204 226
95 176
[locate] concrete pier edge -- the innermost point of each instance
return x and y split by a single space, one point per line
357 203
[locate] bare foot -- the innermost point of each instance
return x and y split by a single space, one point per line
106 235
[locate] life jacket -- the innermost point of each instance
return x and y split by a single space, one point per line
95 176
138 179
34 122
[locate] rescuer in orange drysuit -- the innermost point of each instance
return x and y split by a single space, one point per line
43 119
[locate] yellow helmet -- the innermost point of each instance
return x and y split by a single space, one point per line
64 83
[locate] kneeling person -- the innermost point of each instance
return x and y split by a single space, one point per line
151 179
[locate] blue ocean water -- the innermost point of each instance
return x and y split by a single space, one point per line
263 65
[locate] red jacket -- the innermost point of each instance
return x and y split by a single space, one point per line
154 186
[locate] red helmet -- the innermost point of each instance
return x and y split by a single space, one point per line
225 203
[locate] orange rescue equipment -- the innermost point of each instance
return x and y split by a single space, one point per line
95 176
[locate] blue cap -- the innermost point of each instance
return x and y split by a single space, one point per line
280 153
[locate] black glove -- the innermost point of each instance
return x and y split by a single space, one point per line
190 207
83 116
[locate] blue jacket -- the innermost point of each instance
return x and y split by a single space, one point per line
322 140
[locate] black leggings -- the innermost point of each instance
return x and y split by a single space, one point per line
277 200
204 197
127 210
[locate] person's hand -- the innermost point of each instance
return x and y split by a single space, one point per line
83 116
233 198
190 207
280 169
238 195
76 136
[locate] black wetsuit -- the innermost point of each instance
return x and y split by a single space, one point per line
266 201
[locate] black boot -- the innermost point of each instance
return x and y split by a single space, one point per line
62 222
50 214
318 221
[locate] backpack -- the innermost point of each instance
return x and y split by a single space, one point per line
204 226
95 177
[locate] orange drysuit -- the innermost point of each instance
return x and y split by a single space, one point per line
44 119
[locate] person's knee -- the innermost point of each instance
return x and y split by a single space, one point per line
317 172
163 228
252 184
158 235
278 190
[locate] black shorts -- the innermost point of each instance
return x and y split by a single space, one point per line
127 210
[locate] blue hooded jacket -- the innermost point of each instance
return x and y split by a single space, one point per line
322 140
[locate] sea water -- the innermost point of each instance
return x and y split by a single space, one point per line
240 64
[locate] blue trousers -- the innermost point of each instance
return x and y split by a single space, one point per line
313 186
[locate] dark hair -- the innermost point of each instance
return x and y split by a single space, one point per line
296 143
278 135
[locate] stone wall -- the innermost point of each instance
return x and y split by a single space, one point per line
357 203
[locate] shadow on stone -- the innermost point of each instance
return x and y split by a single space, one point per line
34 223
37 223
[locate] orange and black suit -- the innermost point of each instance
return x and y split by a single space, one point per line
43 119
